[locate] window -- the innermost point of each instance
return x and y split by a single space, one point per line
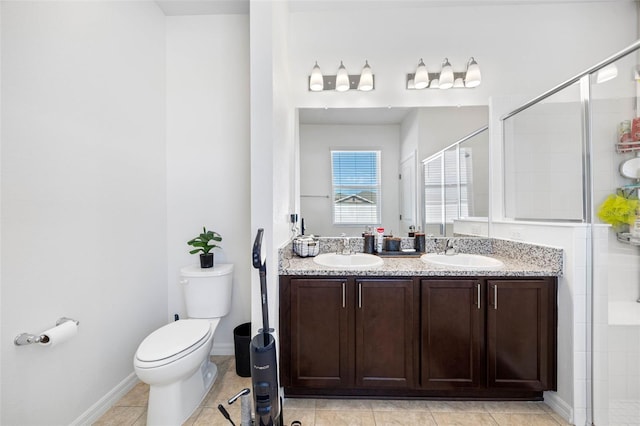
356 187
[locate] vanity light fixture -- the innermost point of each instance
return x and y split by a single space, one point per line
342 81
446 78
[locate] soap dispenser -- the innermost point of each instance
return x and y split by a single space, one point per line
369 241
419 241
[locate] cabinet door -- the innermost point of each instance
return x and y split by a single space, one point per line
319 333
521 334
384 333
452 334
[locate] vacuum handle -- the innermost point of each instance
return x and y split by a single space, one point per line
259 262
258 259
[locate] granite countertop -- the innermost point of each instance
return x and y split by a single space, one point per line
520 260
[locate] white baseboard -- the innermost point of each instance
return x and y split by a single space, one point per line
223 349
558 405
102 406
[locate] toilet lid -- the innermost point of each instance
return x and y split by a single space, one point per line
172 339
196 271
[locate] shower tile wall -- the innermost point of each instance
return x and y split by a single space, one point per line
624 363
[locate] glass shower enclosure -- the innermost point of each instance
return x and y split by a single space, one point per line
572 155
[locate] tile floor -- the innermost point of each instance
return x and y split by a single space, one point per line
131 409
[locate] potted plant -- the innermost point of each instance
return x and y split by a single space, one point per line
204 243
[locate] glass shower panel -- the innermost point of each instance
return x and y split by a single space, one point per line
474 175
456 184
616 272
543 160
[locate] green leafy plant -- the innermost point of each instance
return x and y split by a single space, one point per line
205 242
618 211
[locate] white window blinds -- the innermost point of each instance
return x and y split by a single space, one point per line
356 187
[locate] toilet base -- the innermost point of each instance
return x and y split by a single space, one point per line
173 404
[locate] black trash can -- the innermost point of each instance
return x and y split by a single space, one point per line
241 341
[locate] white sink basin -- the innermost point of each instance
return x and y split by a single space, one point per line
348 261
463 261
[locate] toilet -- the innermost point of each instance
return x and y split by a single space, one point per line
174 359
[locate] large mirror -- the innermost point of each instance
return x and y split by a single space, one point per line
364 166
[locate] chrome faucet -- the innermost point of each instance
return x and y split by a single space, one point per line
346 247
450 249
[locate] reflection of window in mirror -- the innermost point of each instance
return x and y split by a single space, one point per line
448 188
356 187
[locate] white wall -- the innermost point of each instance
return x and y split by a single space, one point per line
273 152
521 48
441 127
83 198
208 169
316 143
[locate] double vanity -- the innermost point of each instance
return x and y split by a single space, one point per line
477 324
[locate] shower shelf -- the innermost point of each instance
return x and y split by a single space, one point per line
625 237
628 191
624 147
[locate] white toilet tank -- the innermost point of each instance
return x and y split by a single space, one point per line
207 291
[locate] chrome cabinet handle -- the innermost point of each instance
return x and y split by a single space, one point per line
359 295
478 286
344 295
495 297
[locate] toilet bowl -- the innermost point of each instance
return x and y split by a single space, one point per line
174 359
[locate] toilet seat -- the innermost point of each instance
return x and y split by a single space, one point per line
172 342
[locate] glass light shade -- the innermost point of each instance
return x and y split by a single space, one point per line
472 78
421 78
366 78
607 73
342 79
446 75
435 83
457 83
316 81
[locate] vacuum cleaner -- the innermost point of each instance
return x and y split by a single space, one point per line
264 368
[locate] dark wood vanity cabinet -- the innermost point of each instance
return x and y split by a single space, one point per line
347 333
384 333
521 334
452 333
318 333
493 333
418 337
